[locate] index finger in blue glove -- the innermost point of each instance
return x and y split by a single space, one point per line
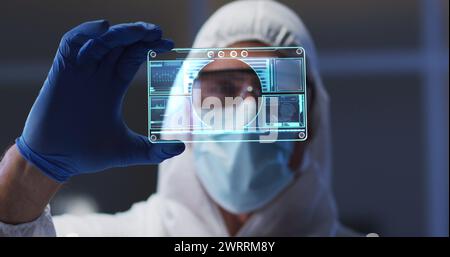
119 35
74 39
162 151
141 151
97 28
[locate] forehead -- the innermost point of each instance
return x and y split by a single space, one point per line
230 64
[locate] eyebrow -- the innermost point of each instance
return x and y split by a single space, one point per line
226 71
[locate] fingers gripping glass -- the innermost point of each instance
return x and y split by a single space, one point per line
227 94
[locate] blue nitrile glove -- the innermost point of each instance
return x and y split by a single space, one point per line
76 124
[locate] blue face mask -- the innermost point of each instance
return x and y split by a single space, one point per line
242 177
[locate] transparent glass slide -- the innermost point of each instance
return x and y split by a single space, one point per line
227 95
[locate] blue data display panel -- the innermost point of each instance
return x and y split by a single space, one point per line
227 95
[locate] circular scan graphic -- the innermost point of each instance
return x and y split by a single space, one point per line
226 95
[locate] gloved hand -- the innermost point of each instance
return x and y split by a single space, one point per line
76 125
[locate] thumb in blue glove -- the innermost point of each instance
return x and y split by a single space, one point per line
75 125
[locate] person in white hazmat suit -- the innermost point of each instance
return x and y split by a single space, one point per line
199 193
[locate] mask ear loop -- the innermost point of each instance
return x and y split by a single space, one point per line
191 121
299 159
189 110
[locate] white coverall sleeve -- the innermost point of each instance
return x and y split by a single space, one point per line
42 226
141 220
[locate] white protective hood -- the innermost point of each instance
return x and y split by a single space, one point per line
307 207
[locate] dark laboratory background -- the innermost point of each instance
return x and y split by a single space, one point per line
385 66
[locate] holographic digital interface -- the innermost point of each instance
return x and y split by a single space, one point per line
254 94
